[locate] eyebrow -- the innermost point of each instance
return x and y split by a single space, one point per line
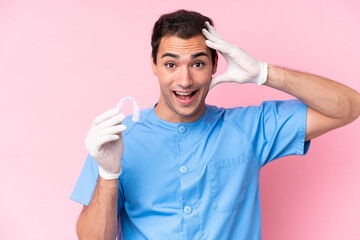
195 55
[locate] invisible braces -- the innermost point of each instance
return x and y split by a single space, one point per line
136 112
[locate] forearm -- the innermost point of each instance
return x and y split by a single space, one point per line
99 219
325 96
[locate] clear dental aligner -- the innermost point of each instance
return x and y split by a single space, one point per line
136 112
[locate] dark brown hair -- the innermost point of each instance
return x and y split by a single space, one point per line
183 24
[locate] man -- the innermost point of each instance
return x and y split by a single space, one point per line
187 170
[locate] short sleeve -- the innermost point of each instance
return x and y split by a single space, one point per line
274 129
281 130
86 184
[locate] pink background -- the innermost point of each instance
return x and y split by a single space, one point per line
62 63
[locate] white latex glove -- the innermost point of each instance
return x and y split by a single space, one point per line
241 67
105 144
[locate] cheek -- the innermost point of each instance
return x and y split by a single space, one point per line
164 78
202 77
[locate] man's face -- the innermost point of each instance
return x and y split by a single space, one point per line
184 68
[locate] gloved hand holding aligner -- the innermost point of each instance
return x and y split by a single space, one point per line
104 140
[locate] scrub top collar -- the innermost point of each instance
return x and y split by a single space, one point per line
153 118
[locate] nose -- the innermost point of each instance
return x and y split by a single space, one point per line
185 80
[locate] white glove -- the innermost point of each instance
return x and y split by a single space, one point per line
105 144
241 67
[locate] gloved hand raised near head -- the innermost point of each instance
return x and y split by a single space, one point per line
105 144
241 67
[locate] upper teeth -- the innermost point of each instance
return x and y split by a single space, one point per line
179 93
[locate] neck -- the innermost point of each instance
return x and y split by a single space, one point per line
168 114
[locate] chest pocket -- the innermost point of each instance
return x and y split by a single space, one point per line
229 180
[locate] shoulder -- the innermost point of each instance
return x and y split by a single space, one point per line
250 117
266 107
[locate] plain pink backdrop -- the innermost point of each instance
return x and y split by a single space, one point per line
62 63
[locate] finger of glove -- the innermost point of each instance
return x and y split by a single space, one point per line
208 35
219 79
220 47
215 81
112 130
105 116
209 27
211 30
113 121
214 37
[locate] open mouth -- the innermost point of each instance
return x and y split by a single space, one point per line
184 95
185 98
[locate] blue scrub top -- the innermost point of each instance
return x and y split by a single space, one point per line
199 180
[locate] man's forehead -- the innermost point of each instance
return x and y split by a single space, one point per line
179 46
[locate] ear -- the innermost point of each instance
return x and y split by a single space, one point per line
153 65
215 63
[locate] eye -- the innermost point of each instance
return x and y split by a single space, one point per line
170 65
199 64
